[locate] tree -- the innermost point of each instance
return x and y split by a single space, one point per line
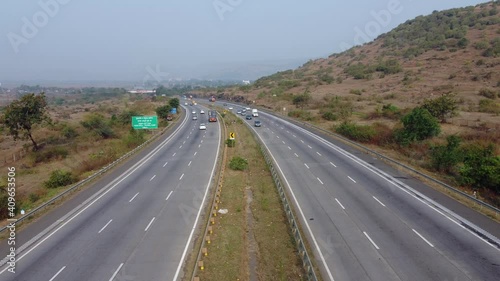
163 111
481 168
442 107
302 99
174 103
418 125
445 157
22 115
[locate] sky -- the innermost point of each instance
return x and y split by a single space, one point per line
139 40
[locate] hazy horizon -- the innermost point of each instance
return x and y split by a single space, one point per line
73 40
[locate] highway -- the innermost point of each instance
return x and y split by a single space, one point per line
139 226
366 221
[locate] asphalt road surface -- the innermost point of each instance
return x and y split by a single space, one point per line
138 226
367 221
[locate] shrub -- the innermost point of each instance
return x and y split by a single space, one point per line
134 138
356 132
359 71
445 157
49 154
444 106
487 93
330 116
390 66
488 106
302 99
125 118
301 114
390 111
238 163
355 92
418 125
69 132
98 126
59 178
481 168
327 78
163 111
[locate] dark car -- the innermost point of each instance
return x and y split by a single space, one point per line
257 123
248 117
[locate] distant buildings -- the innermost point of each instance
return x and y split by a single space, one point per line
246 82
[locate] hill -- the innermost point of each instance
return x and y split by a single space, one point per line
448 56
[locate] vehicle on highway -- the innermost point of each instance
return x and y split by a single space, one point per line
203 126
257 123
238 112
225 104
194 112
195 117
202 111
255 113
185 103
248 117
212 116
230 108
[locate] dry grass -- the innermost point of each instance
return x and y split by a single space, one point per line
230 252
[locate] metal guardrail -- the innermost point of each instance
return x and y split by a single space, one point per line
306 261
83 182
447 186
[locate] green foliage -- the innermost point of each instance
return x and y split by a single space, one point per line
326 78
356 132
231 142
97 124
301 114
69 132
330 116
418 125
442 107
134 138
446 157
288 84
489 106
59 178
302 99
355 92
20 116
481 168
48 154
390 66
245 88
125 118
237 163
163 111
481 45
359 71
174 103
494 50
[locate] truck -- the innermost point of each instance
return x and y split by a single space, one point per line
255 113
212 99
212 116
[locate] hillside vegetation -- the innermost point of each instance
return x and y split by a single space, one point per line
426 93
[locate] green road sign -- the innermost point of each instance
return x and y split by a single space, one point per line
145 122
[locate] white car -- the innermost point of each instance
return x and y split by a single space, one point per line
202 126
194 112
230 108
202 112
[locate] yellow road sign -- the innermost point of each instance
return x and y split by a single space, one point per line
231 135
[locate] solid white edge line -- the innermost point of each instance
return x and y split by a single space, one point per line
451 216
149 224
369 238
199 211
105 226
304 220
423 238
342 206
351 179
152 178
168 196
125 175
116 272
378 201
60 270
133 197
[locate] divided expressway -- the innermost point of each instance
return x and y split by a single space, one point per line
367 221
136 224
